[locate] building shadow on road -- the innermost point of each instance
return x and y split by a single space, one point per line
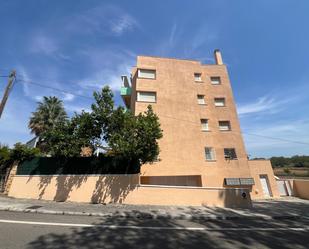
150 237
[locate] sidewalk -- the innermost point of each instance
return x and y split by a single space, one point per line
284 208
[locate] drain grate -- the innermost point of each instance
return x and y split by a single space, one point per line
34 207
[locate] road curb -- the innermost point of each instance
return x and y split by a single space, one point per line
153 216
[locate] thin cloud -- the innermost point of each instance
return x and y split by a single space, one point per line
106 68
122 24
76 108
263 104
43 44
68 97
23 74
172 36
105 19
262 137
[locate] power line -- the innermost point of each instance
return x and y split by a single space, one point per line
252 134
175 118
53 88
276 138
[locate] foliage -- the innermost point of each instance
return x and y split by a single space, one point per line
68 138
258 158
49 113
287 170
134 138
20 153
4 155
129 137
294 161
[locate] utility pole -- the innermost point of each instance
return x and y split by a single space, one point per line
7 91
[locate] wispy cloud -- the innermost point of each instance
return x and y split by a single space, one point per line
24 75
172 37
110 77
107 67
68 97
277 137
76 108
14 123
203 35
104 19
122 24
43 44
262 104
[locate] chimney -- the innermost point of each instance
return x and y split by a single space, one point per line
218 57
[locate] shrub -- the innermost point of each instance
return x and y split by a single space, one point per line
21 152
4 155
287 170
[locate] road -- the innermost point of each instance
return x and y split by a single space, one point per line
27 230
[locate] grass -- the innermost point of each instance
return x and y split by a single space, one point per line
292 172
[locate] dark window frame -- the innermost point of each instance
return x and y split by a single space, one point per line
230 153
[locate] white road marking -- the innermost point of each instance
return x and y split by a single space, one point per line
158 228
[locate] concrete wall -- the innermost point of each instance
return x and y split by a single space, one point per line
122 189
79 188
262 167
301 188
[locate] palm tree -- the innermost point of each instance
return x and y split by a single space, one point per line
48 114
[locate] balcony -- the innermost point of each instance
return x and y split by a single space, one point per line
125 93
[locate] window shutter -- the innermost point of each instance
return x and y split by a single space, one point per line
146 96
147 73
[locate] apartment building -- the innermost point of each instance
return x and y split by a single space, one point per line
202 144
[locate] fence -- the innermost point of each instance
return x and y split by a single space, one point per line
77 166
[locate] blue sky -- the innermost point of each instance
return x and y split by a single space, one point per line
80 46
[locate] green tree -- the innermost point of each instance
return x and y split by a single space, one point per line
49 113
21 152
67 138
4 155
129 137
134 138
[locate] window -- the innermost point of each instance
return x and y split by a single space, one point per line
230 153
219 102
147 73
224 125
198 77
238 181
210 154
201 99
246 181
147 97
204 124
232 181
215 80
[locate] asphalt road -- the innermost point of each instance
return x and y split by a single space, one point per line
27 230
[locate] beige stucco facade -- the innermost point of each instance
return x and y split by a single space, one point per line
182 148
